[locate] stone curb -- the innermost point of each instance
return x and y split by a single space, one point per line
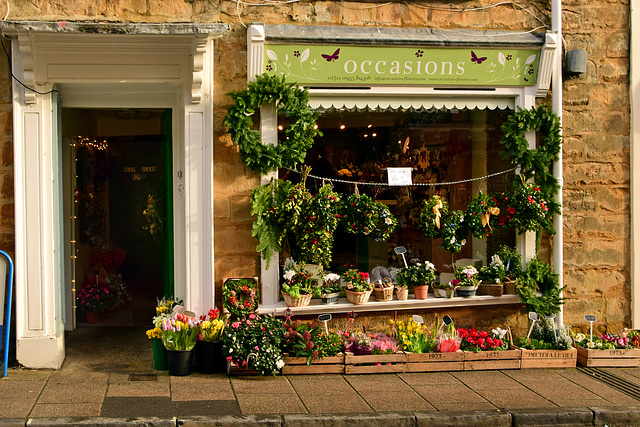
232 420
552 416
100 421
622 416
495 418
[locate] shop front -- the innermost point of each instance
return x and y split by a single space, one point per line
432 101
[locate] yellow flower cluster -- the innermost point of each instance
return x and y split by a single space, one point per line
414 336
154 333
211 330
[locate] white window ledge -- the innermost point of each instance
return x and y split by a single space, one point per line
343 306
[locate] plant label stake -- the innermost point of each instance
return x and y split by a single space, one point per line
393 326
590 318
447 320
401 250
352 318
533 316
418 319
325 318
551 317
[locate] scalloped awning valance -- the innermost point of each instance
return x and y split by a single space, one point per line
372 102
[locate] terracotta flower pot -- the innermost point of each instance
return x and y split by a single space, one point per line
421 292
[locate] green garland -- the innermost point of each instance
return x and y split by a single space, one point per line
289 100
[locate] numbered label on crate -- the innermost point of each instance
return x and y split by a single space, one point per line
325 317
417 319
447 320
589 317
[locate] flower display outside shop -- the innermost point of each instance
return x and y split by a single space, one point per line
94 298
603 341
362 215
154 333
240 296
495 272
212 325
310 341
298 282
255 342
466 276
546 335
383 344
180 332
475 340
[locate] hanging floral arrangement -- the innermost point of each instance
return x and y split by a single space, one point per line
362 215
482 213
437 221
154 215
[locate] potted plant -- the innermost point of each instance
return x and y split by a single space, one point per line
447 339
92 300
383 290
208 349
418 277
512 262
298 286
309 341
538 288
254 342
358 288
491 277
548 345
466 282
330 289
179 335
163 312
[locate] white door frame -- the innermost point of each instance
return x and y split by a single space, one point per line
147 67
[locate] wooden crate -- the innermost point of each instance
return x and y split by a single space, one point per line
435 362
326 365
548 358
489 360
613 358
374 364
237 371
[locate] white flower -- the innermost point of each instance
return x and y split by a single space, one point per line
429 266
580 337
499 332
230 350
388 221
288 275
331 277
279 363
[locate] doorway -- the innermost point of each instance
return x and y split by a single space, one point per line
120 198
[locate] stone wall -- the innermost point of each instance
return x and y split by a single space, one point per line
596 125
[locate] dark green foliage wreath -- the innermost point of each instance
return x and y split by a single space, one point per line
437 221
360 214
291 101
535 163
240 296
482 214
538 277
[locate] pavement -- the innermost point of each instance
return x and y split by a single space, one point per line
109 380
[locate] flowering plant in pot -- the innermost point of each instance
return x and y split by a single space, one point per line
330 289
358 288
208 349
92 298
603 341
254 342
362 215
418 277
383 344
545 336
491 277
475 340
180 332
298 287
447 339
466 281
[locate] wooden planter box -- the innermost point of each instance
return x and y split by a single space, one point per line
326 365
435 362
374 364
613 358
237 371
489 360
548 358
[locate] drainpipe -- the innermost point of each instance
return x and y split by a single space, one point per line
558 244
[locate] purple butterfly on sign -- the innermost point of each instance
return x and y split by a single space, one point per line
333 57
474 58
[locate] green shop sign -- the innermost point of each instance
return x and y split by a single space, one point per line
368 65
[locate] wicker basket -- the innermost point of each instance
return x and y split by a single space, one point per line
303 301
493 289
509 287
402 294
383 294
358 297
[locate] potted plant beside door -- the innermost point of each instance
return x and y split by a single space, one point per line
208 349
179 335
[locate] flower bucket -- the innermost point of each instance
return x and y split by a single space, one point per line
358 297
421 292
303 301
402 294
179 362
209 357
92 317
331 298
448 345
384 294
159 355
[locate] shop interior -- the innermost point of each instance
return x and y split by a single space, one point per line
119 196
440 145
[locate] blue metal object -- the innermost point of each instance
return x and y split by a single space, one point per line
5 328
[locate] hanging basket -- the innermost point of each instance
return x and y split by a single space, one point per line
303 301
358 297
493 289
383 294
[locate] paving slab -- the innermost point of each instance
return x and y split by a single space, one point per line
49 410
123 407
534 375
468 406
509 399
263 385
27 375
382 401
21 389
487 380
363 383
428 378
207 407
142 388
307 384
72 393
561 390
335 404
17 407
261 403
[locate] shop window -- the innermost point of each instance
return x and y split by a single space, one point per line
441 145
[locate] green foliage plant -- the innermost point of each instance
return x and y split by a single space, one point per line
538 278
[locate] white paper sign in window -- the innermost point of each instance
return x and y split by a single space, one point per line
399 176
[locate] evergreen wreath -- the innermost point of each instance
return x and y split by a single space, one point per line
482 213
437 221
289 100
362 215
240 296
534 163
